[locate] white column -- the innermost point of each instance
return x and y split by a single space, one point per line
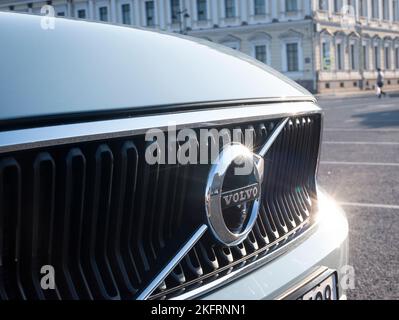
187 4
215 12
137 13
357 8
307 8
167 10
330 7
69 12
161 14
314 4
244 10
113 11
132 11
91 10
380 10
390 10
369 9
393 63
275 10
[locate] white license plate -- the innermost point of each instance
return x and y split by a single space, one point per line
326 290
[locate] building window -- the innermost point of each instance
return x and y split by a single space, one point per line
103 13
291 5
353 56
337 6
126 18
260 7
61 14
374 9
387 52
397 58
339 56
323 5
292 57
150 13
376 57
363 8
230 8
202 9
326 57
261 53
175 10
82 14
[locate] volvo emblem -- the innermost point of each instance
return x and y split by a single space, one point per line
233 193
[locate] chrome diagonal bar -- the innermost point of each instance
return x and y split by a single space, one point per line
273 137
172 263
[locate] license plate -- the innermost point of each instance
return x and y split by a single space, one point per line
325 290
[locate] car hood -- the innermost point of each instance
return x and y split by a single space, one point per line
81 66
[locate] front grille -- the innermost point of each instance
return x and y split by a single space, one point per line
107 221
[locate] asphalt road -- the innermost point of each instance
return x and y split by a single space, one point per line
360 168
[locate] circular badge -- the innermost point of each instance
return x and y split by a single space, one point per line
233 194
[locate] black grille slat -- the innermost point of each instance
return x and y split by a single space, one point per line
172 201
261 233
10 219
74 283
295 156
182 179
29 234
150 210
268 221
301 169
163 201
97 267
140 247
283 183
193 264
301 172
122 262
209 258
177 277
272 183
44 175
130 151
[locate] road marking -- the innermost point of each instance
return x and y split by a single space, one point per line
369 205
372 121
362 143
386 107
360 105
360 130
386 164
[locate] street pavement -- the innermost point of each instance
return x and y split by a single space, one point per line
360 168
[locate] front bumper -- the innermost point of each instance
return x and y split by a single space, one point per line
325 247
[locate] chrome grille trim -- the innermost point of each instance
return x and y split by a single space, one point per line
22 139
